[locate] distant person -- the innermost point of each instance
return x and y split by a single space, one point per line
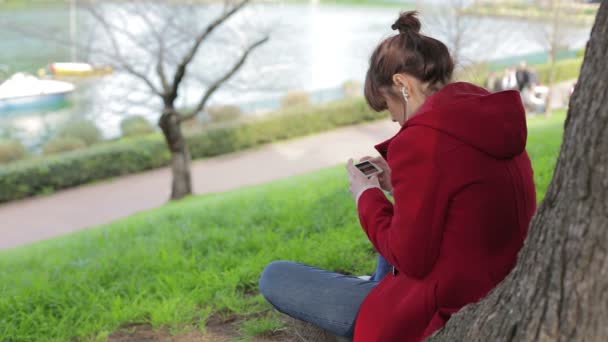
522 76
534 95
509 81
533 77
463 194
534 98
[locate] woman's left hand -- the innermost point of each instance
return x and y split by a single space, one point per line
358 181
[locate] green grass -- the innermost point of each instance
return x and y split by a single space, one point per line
404 5
544 141
177 265
578 14
23 5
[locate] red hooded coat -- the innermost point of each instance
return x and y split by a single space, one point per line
464 196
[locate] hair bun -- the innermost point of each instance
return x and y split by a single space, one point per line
407 22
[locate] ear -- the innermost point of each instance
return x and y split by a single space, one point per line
403 80
399 80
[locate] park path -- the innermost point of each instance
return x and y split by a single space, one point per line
39 218
66 211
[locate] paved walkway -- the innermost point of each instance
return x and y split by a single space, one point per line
40 218
67 211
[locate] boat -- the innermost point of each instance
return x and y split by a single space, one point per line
79 69
24 91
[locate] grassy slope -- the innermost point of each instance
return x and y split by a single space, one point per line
177 265
572 13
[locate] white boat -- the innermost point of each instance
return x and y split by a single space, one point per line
24 91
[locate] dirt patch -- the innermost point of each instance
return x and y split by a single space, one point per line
217 330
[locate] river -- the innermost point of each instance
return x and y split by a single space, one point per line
315 48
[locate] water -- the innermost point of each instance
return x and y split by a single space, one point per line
315 48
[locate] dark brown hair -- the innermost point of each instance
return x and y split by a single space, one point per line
408 52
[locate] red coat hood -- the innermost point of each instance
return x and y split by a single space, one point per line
494 123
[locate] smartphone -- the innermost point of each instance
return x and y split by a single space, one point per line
368 168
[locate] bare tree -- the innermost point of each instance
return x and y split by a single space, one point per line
157 43
558 290
449 22
553 37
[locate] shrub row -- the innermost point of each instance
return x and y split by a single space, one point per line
74 135
567 69
11 150
47 174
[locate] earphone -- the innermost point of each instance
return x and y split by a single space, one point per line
406 97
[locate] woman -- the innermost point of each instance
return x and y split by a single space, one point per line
463 199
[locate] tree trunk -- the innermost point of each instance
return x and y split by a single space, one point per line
180 156
559 289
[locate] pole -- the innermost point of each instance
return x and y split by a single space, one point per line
73 30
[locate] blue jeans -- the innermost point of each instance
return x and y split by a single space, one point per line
326 299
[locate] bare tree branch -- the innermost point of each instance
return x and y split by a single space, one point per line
223 79
117 29
122 61
160 68
181 68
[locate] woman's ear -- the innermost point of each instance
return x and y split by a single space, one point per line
399 81
402 80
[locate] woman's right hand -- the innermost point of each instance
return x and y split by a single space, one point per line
385 177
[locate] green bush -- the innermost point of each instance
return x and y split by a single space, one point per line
580 53
476 73
59 145
352 88
297 121
81 129
296 98
110 159
11 150
135 125
39 176
565 70
224 113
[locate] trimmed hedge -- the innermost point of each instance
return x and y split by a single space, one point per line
295 98
84 130
47 174
60 145
224 113
135 126
567 69
11 150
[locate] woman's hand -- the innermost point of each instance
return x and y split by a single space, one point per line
358 181
385 177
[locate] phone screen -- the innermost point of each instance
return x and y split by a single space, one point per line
367 168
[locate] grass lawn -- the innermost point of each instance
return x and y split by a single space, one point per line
179 265
570 12
403 5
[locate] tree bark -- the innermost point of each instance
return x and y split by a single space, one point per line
169 123
558 290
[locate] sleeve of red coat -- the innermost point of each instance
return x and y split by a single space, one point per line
408 234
